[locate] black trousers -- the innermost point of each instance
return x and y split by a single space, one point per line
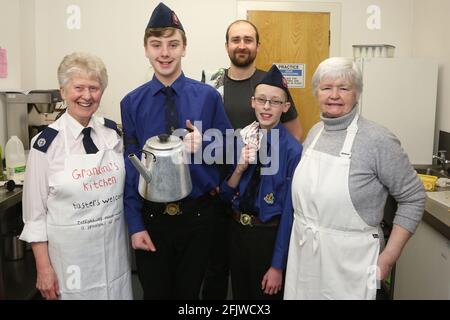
176 269
251 250
215 283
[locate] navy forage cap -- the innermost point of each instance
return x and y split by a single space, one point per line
274 78
164 17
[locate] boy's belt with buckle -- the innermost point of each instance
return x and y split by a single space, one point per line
251 220
177 207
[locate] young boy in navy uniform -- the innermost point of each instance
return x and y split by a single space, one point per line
261 200
171 246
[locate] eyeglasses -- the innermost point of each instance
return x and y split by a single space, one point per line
273 103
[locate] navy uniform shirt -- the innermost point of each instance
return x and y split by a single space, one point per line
143 116
274 194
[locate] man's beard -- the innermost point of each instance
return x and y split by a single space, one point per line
242 62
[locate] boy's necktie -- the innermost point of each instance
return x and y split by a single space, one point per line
171 110
247 201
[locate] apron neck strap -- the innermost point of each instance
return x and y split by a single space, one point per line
64 125
352 129
313 143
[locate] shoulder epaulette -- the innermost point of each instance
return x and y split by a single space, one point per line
45 139
112 125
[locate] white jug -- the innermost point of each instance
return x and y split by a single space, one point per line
15 160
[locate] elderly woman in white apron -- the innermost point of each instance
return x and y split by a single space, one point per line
73 194
339 191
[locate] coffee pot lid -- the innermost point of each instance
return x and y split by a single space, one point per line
163 142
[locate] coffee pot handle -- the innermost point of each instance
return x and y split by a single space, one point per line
149 153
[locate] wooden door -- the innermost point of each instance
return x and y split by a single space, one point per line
294 37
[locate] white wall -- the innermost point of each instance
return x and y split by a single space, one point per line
395 28
10 40
36 37
113 29
28 40
432 39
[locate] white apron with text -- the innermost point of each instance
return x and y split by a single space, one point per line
333 253
87 238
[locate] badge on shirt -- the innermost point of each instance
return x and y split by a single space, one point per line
41 142
45 139
269 198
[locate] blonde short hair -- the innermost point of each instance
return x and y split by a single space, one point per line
79 62
336 68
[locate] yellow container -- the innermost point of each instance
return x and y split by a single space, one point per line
429 182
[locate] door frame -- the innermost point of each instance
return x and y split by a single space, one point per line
334 9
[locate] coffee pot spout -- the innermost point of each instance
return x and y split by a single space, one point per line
139 167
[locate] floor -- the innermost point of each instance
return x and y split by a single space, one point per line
138 293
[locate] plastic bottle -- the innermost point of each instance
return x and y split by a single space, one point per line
15 160
1 165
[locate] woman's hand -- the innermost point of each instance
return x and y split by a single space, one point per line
141 240
397 241
385 263
47 283
272 281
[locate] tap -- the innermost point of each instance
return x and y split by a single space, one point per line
441 159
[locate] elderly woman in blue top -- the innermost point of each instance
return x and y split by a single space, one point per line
260 194
72 197
339 191
171 245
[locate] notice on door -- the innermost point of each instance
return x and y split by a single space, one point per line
294 74
3 64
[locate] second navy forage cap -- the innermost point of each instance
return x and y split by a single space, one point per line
274 78
164 17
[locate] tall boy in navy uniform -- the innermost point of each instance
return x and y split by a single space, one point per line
171 249
262 206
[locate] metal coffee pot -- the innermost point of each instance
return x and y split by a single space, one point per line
164 174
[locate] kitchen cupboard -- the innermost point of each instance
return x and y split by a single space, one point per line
423 270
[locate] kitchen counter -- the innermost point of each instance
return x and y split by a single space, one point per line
437 216
423 269
18 277
9 198
436 212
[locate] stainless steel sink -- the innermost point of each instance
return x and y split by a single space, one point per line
432 172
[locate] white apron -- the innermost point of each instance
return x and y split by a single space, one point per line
333 253
87 238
